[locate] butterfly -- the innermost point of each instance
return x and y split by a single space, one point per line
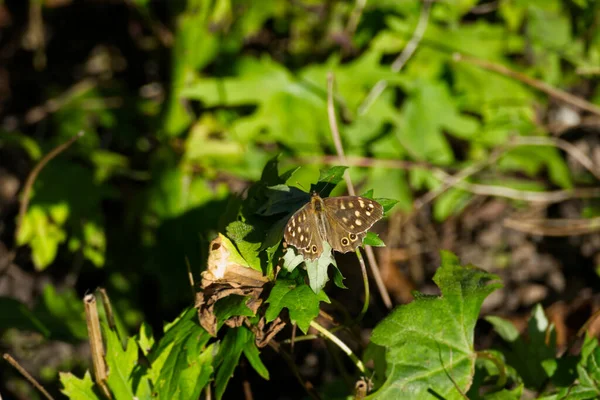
342 222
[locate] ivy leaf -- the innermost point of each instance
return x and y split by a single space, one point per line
300 300
76 388
181 361
431 339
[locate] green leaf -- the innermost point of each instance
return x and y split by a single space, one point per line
145 339
230 350
291 260
373 239
431 339
243 235
387 204
527 356
328 180
62 313
121 363
253 355
232 305
78 389
300 300
587 385
317 269
181 363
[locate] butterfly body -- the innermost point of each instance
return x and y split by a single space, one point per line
342 222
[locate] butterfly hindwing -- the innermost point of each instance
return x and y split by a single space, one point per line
302 232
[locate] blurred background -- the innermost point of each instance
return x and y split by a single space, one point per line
481 117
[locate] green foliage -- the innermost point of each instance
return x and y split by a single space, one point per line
431 339
156 178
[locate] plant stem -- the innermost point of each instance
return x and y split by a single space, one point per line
324 332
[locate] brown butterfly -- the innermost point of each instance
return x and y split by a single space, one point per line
342 222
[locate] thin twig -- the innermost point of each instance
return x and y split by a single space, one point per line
340 344
365 277
355 16
401 60
27 375
96 346
340 152
554 227
542 86
335 133
292 365
108 310
33 175
568 147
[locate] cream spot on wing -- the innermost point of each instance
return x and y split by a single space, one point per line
351 205
344 219
342 206
362 203
371 206
299 229
351 226
358 222
293 234
368 213
357 213
302 238
304 217
294 222
289 228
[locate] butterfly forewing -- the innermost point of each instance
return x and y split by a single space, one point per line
302 232
354 213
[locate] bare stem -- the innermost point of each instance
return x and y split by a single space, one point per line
26 197
27 375
334 339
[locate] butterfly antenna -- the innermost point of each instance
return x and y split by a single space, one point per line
301 186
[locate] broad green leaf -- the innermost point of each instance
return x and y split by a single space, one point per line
78 388
181 363
317 269
62 313
253 356
372 239
145 338
248 242
587 385
451 202
300 300
527 356
120 363
291 260
230 350
431 339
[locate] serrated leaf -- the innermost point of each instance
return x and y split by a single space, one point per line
78 389
373 239
291 260
240 232
121 363
230 350
431 339
231 306
328 180
387 204
300 300
253 355
181 363
527 356
317 269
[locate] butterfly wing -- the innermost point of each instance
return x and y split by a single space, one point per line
302 232
348 218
